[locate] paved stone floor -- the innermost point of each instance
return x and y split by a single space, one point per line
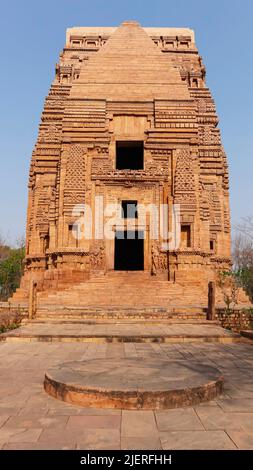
30 419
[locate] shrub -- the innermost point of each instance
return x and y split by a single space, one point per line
11 269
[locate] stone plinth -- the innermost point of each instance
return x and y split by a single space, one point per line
146 383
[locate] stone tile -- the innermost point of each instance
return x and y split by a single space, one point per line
99 412
199 440
63 409
98 422
10 411
245 420
36 421
29 435
29 410
140 443
242 439
179 419
53 436
104 439
216 418
38 446
3 419
59 408
240 393
207 403
7 433
138 424
20 434
236 404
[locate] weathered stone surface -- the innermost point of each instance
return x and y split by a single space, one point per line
141 443
247 333
198 440
126 84
110 332
129 384
179 419
22 368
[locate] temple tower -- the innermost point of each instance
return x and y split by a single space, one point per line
130 121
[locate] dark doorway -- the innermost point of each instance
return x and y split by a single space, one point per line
129 209
129 251
129 155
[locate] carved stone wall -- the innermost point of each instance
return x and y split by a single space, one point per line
74 190
185 187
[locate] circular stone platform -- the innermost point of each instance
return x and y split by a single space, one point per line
138 383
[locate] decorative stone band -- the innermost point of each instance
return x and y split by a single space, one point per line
69 251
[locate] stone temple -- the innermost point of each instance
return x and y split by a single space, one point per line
130 121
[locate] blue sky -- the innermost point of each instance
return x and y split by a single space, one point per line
32 35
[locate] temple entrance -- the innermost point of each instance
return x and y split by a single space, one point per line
129 250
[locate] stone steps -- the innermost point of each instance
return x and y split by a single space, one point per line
71 320
123 290
121 332
101 313
19 295
122 295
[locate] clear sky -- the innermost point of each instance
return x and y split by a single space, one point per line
32 35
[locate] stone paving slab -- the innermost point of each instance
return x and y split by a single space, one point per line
31 419
243 440
184 419
199 440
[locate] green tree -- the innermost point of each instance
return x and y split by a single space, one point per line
4 249
11 269
243 254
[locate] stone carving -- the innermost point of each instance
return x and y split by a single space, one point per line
158 260
210 207
185 188
208 135
74 191
101 166
202 108
54 103
42 211
158 166
51 151
97 257
51 133
155 260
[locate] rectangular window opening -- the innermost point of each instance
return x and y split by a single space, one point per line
185 236
129 209
46 243
73 235
129 155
